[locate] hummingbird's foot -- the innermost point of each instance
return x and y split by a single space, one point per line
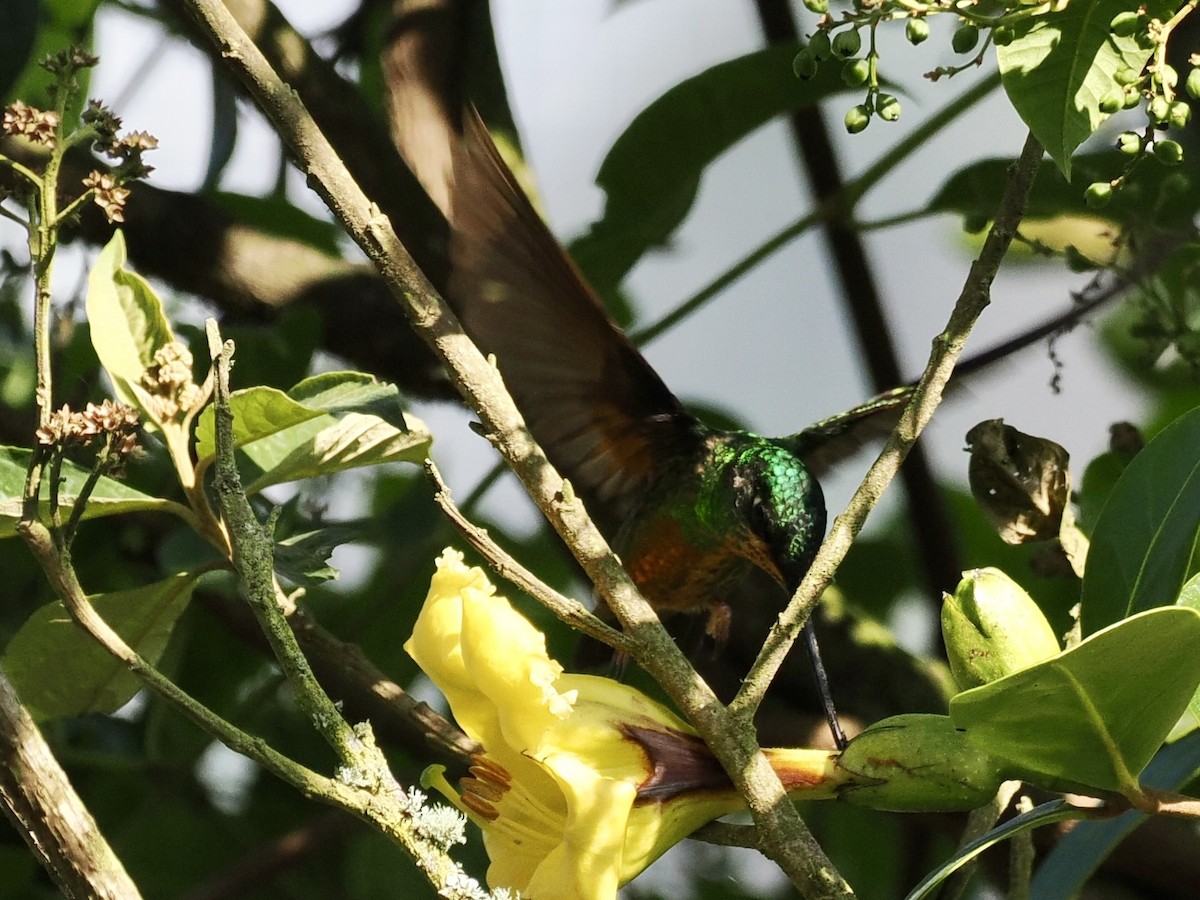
720 617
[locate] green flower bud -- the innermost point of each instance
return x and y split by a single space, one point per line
965 38
804 66
1192 85
917 31
855 72
1133 96
1098 194
819 46
846 44
1129 143
1002 35
1124 24
888 107
1112 102
1179 115
857 119
1158 110
1168 152
820 7
917 763
992 628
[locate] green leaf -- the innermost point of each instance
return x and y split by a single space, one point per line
1094 715
975 190
331 422
348 442
1065 870
1143 542
258 412
302 558
1061 64
60 670
108 498
652 173
18 32
1189 596
274 215
127 321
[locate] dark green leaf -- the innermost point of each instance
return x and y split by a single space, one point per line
1142 544
275 215
1081 850
59 670
109 497
302 558
652 173
18 31
1094 715
224 126
1061 64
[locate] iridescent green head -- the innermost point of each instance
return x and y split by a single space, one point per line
781 503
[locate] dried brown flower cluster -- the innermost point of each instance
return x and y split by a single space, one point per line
109 195
169 381
111 417
38 125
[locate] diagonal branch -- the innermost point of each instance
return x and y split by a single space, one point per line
947 347
785 838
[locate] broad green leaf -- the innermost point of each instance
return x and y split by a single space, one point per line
975 190
1062 874
348 442
1095 714
59 670
258 412
18 31
303 558
1190 721
652 173
1060 66
108 498
331 422
127 321
1143 542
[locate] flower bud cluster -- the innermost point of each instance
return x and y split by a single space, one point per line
168 380
112 420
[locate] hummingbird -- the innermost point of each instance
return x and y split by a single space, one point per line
688 508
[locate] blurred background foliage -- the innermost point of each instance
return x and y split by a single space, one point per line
191 820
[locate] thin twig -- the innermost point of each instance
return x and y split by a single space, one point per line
570 611
947 347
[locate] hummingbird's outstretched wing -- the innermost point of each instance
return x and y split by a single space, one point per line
604 417
826 443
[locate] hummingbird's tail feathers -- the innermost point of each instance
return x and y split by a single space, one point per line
604 417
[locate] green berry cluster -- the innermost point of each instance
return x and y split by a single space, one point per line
858 70
1156 85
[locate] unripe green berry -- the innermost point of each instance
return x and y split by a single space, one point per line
857 119
1158 110
819 46
1124 24
1132 96
917 31
1179 115
1167 75
1168 152
846 44
1112 102
1126 75
804 66
820 7
1002 36
1192 85
855 73
1098 194
974 224
965 38
888 107
1129 143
